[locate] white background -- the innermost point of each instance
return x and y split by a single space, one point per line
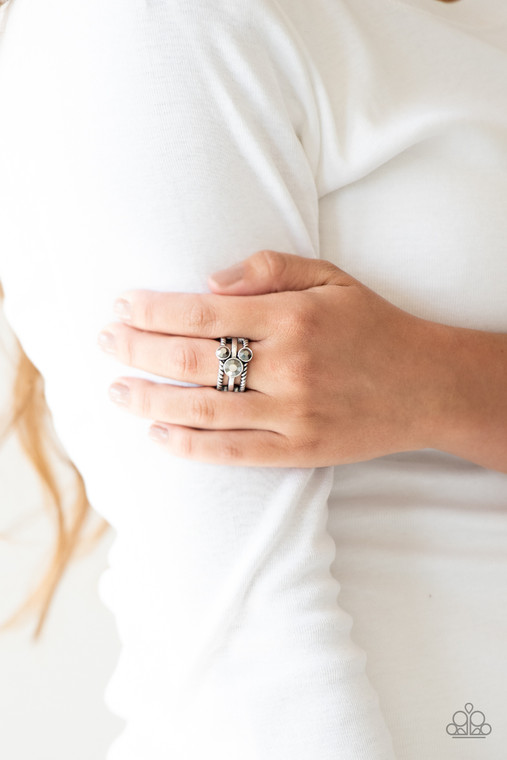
51 691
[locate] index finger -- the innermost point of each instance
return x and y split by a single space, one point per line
203 315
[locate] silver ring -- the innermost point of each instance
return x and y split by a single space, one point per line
233 364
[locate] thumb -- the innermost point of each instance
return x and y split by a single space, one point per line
271 271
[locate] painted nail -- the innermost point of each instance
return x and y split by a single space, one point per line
122 309
119 393
107 341
158 433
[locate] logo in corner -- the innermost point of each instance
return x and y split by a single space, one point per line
468 724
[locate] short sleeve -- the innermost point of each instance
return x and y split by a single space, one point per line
146 144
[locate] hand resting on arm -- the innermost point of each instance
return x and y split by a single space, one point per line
340 374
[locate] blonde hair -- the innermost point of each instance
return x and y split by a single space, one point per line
30 419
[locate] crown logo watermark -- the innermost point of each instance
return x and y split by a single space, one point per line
468 724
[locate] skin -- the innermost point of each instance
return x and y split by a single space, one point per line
339 374
356 377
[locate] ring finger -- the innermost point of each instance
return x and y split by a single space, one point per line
176 357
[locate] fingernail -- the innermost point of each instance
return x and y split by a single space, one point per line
122 309
119 393
228 276
158 433
106 340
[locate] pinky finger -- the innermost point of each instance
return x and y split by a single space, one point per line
245 448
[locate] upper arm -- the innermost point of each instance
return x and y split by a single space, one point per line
158 142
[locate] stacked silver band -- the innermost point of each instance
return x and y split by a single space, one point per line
233 364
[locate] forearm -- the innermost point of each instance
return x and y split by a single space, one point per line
466 392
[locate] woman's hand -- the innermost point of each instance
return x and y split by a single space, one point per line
338 373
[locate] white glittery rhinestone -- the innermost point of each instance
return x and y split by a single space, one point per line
233 367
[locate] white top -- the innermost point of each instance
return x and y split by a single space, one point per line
265 613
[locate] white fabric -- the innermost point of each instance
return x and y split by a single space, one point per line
338 613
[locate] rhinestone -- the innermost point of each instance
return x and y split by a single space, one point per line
245 354
233 367
223 352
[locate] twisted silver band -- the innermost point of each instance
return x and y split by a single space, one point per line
232 363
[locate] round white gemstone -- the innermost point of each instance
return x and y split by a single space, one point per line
233 367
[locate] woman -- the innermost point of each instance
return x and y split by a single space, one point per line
356 150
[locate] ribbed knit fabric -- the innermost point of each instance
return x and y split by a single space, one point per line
337 613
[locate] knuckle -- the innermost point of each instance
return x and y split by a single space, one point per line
144 400
148 312
297 411
185 360
270 263
128 346
202 410
200 317
230 451
303 317
328 271
306 443
184 443
303 408
299 376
